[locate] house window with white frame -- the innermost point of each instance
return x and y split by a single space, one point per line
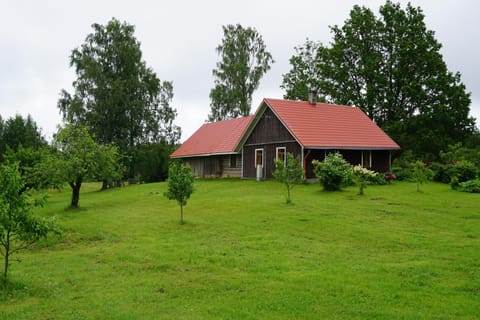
281 154
258 157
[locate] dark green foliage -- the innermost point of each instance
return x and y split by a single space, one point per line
116 95
19 229
289 172
151 162
471 186
464 170
243 62
17 131
333 173
457 152
378 179
35 166
180 184
441 172
391 67
402 166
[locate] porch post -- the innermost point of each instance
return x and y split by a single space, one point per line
303 165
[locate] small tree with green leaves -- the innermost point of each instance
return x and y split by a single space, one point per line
420 173
289 173
19 229
362 177
333 172
180 184
82 159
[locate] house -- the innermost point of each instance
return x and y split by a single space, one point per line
247 147
212 151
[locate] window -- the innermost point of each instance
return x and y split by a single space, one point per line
233 161
258 157
281 154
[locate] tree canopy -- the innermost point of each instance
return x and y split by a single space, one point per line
289 171
180 184
19 228
81 158
244 60
391 67
116 95
18 131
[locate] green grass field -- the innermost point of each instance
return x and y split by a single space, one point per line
393 253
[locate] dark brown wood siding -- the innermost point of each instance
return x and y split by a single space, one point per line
379 162
269 134
269 154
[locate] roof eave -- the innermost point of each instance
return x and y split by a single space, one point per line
351 148
204 155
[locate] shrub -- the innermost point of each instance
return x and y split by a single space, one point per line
388 177
472 186
441 172
333 172
362 177
464 170
402 166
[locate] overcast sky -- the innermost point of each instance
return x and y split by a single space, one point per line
178 40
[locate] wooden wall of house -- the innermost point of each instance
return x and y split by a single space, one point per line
268 134
380 159
269 129
269 153
223 166
232 166
206 167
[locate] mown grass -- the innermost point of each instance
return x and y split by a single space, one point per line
393 253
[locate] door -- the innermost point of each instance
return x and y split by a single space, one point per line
259 163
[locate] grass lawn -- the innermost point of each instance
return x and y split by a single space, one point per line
393 253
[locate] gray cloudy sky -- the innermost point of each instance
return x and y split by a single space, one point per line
178 40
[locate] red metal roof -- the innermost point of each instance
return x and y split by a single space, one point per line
330 126
220 137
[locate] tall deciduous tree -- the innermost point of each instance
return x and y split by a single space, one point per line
391 67
116 94
244 60
19 228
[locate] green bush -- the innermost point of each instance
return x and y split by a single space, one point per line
333 172
441 172
472 186
378 179
403 173
402 166
464 170
362 177
151 162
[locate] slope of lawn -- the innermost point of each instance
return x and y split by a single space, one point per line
393 253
